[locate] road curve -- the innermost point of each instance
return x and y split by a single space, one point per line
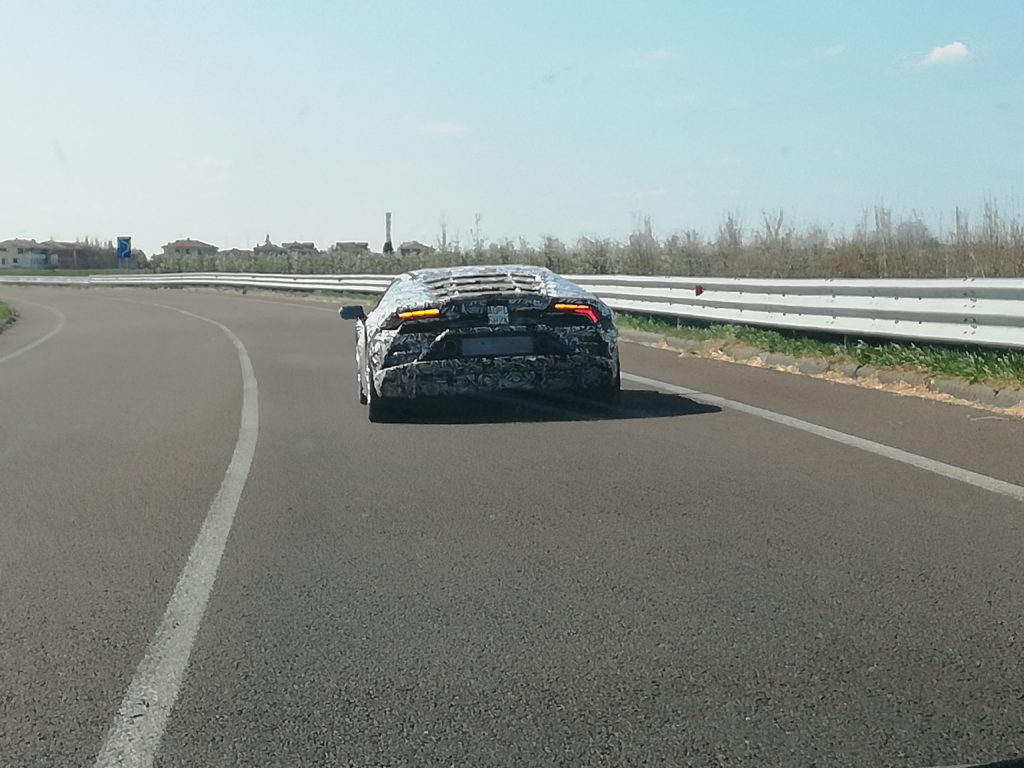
523 583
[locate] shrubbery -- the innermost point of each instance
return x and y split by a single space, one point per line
994 247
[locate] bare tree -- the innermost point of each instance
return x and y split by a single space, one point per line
729 244
772 228
554 253
442 240
883 231
595 255
478 240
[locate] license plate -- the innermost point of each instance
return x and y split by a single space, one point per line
497 315
496 346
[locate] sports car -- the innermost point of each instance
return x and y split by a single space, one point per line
475 330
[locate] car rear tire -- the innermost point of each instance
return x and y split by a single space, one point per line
607 395
362 377
379 410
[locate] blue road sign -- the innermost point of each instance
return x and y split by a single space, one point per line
124 247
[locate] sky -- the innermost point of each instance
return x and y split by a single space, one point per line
227 121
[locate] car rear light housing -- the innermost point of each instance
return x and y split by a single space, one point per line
419 314
579 309
413 315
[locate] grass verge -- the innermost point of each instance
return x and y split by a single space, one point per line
6 316
976 365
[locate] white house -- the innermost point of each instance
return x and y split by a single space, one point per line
25 254
350 246
414 248
189 248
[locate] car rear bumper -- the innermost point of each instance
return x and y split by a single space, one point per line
494 374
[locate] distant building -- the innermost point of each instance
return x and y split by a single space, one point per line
300 249
24 253
62 255
414 248
351 246
189 248
269 249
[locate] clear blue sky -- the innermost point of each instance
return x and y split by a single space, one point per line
227 120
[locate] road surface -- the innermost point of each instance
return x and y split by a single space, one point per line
210 557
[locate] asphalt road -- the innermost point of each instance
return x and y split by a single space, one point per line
521 583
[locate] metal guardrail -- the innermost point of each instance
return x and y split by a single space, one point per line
350 283
988 312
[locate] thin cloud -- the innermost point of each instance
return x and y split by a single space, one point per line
443 128
655 56
954 53
831 51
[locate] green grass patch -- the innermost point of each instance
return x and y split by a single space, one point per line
6 315
974 364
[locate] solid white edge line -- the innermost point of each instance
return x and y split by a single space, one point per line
61 319
1003 488
138 727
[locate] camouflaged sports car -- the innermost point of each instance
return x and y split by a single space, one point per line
471 330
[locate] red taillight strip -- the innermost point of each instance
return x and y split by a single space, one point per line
416 314
580 309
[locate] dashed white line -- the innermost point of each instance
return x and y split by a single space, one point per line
1003 488
138 727
61 319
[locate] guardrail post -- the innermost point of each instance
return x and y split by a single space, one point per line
988 312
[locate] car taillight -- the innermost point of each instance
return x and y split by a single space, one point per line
419 314
579 309
428 313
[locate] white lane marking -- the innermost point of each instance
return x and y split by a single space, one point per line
138 727
992 484
59 327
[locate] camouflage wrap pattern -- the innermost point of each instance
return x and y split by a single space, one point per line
402 363
411 290
479 375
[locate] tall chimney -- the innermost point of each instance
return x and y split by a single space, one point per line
388 247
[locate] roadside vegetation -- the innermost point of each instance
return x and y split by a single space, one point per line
977 365
987 243
983 244
883 244
6 316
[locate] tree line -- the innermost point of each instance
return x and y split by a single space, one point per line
879 246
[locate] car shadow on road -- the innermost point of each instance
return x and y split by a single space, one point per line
526 407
